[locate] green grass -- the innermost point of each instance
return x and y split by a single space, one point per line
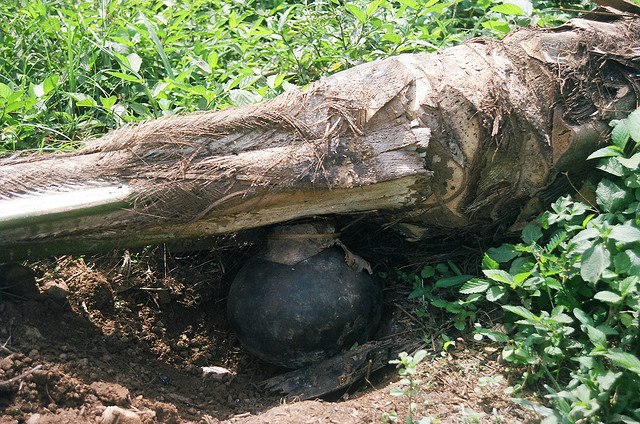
75 69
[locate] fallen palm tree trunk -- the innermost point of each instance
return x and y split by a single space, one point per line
458 139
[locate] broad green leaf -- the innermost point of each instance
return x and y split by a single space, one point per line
274 81
83 100
135 62
631 163
159 88
633 123
140 109
419 292
633 181
620 134
392 37
50 83
588 362
108 102
521 265
496 336
38 90
521 277
625 234
624 360
355 11
596 336
427 271
582 316
204 66
125 77
502 254
419 356
5 91
594 261
439 303
607 380
410 3
495 293
452 281
586 234
531 233
522 312
605 152
373 6
243 97
628 285
553 283
626 319
566 209
609 331
558 315
442 268
475 285
498 26
212 60
553 351
498 275
611 196
611 166
525 5
508 9
489 263
608 297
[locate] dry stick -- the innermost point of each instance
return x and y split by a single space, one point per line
20 377
4 347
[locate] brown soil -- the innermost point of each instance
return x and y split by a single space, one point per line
135 331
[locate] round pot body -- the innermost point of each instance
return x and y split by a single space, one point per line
293 316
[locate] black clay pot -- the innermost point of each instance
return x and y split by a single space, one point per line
293 316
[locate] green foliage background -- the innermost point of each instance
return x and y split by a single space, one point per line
71 69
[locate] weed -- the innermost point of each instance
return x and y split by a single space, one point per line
409 385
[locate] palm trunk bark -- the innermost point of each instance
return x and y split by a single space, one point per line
459 139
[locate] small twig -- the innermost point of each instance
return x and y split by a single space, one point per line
4 347
20 377
411 317
394 335
566 175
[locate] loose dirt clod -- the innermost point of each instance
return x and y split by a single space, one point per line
110 393
117 415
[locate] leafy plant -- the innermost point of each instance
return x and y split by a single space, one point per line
409 385
74 69
571 293
440 295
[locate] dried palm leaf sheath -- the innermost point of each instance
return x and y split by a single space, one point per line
458 139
